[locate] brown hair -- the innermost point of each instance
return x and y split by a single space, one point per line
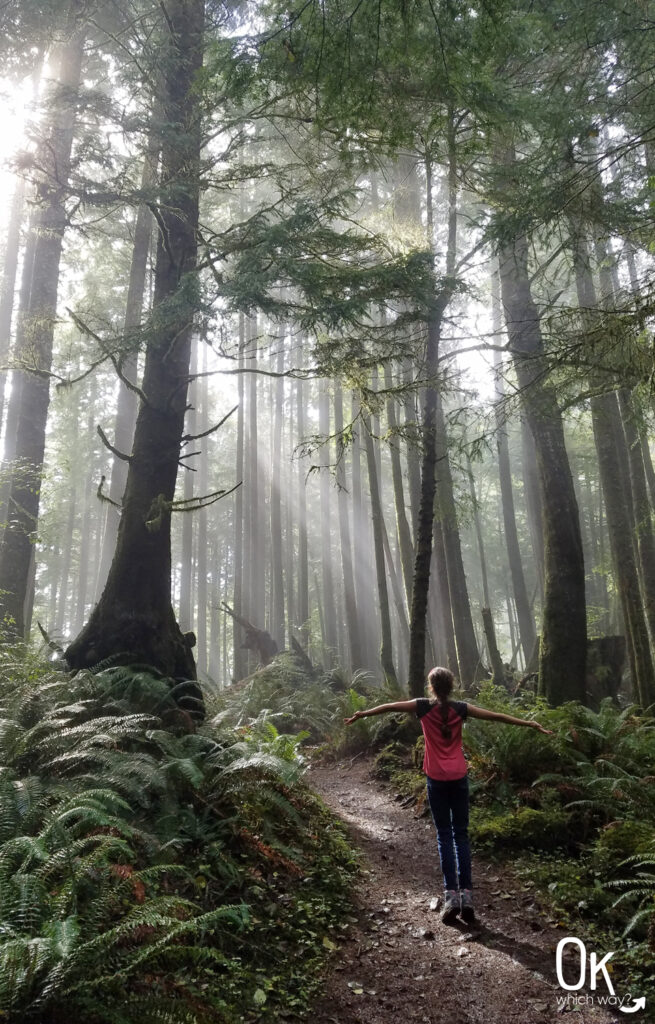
442 681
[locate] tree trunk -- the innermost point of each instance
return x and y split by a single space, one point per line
329 602
532 492
8 286
239 662
303 564
564 623
202 569
386 647
127 407
31 399
609 438
361 529
352 617
254 496
424 527
277 569
642 507
445 632
62 600
497 666
187 562
468 656
527 628
477 523
135 613
405 545
84 559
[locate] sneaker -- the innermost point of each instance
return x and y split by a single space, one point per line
450 906
467 912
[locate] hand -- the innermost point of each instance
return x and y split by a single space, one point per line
540 728
353 718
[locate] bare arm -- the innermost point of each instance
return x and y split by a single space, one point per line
498 716
381 709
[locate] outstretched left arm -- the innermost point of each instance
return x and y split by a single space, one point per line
381 709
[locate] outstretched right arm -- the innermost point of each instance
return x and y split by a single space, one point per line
381 709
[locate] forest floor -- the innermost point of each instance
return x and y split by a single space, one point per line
400 963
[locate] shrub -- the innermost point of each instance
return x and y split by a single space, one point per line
524 828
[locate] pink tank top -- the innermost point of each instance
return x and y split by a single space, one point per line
444 758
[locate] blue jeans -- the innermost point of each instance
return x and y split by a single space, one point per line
449 803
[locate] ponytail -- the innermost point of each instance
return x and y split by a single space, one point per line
442 680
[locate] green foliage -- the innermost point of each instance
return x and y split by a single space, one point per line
524 828
139 868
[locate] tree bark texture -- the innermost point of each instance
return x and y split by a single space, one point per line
352 616
31 399
135 614
386 647
564 623
329 597
127 405
527 628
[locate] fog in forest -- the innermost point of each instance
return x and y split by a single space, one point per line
326 358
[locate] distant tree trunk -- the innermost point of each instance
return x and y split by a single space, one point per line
412 447
397 592
127 407
407 215
289 533
606 424
642 506
54 577
187 566
562 663
445 632
468 656
62 600
329 602
256 588
532 492
424 529
598 578
135 613
405 545
352 617
277 567
497 666
303 563
239 663
35 337
648 464
386 649
360 532
527 628
609 438
202 569
84 559
8 284
477 523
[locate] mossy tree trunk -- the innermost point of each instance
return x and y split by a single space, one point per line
134 613
564 622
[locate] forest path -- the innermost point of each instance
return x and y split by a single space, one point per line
406 964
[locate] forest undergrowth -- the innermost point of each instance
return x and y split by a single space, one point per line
572 814
150 870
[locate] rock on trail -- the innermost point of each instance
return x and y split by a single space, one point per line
400 963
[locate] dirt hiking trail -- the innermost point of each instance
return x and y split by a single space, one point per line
400 963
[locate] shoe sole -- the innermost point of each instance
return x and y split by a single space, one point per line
449 916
